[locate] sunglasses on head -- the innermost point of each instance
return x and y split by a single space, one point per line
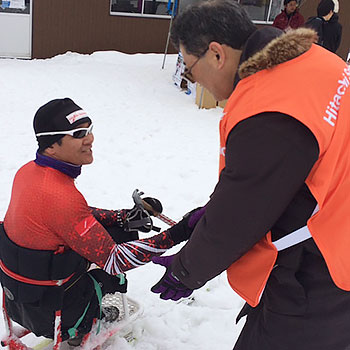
76 133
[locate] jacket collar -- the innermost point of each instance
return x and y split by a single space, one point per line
281 49
66 168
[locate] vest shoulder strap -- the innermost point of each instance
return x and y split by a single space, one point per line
295 237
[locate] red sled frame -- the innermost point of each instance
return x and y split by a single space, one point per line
130 310
15 333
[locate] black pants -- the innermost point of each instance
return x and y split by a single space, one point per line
39 317
301 308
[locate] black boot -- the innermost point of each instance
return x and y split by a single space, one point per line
110 313
76 341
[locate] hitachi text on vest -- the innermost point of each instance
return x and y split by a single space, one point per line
334 105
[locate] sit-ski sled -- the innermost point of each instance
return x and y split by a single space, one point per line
129 310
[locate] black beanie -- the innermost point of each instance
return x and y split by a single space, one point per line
57 115
324 7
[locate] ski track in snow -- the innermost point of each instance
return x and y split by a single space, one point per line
148 135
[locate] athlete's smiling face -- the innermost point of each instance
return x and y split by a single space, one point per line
73 150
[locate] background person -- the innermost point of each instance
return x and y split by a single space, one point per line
284 170
290 17
327 25
50 233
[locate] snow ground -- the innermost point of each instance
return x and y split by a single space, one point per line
148 135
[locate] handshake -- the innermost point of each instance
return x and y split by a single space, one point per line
169 286
139 217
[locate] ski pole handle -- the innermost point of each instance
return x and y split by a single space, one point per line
149 208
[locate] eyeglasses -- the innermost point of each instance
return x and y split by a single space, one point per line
76 133
187 74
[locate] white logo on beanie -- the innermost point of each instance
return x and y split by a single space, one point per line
77 115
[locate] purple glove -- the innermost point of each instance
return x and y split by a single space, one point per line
169 286
184 228
195 216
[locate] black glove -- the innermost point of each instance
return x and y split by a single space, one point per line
183 229
119 284
139 217
110 283
119 235
156 206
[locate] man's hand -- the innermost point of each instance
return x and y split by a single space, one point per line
183 229
169 286
194 216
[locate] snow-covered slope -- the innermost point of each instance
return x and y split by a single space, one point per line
148 135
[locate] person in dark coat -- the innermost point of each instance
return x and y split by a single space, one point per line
270 147
327 25
290 17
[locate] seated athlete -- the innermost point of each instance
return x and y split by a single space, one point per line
50 236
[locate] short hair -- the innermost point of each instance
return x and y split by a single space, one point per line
325 7
41 151
223 21
286 2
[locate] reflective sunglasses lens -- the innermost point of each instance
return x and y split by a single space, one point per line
80 134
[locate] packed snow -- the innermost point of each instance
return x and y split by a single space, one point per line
148 135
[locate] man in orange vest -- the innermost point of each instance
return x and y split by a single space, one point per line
278 218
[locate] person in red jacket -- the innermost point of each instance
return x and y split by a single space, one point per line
290 17
50 236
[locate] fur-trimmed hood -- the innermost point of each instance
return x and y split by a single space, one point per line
282 49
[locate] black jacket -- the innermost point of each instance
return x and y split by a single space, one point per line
329 32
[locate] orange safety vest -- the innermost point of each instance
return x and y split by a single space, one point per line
321 101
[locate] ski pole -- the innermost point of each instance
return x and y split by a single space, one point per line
166 219
136 196
160 216
173 13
